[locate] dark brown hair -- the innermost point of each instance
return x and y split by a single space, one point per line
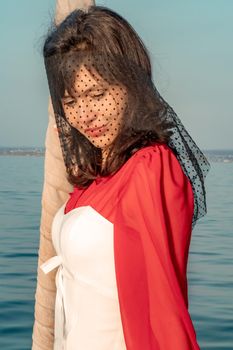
102 38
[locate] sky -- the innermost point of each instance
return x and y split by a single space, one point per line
190 45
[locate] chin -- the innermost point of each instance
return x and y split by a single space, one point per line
102 145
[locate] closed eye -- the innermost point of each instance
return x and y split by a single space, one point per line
70 103
99 95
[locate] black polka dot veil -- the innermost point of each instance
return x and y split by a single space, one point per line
92 106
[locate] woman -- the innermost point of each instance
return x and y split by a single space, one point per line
122 238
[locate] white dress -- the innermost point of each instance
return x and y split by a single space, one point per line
87 313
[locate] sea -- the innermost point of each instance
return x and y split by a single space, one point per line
210 264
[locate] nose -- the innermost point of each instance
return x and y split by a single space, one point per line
86 113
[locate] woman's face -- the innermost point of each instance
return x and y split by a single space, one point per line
96 109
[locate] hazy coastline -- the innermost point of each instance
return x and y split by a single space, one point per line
213 155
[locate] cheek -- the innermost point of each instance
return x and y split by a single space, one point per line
115 116
72 118
114 109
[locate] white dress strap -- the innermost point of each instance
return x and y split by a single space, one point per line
60 318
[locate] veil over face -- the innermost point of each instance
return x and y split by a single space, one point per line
94 107
103 101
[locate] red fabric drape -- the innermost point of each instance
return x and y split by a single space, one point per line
152 237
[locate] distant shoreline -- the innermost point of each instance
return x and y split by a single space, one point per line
8 151
222 156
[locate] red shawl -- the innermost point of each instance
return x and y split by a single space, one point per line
150 201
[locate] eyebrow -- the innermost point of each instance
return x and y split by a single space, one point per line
86 91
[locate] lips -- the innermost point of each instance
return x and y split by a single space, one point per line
97 128
96 131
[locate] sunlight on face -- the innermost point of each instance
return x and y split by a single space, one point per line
96 109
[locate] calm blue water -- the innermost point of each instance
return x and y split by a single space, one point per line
210 271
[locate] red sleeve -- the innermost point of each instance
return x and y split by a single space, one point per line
158 205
